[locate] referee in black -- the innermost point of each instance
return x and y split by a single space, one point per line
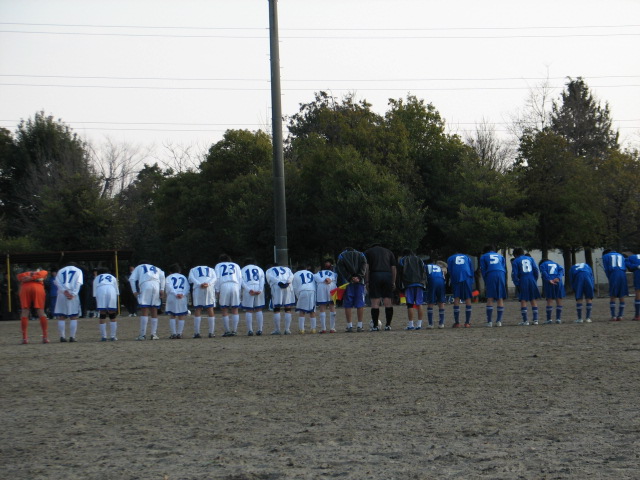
381 282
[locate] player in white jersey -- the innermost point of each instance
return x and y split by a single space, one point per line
68 280
106 291
282 296
147 283
229 285
252 295
325 282
304 287
203 279
177 295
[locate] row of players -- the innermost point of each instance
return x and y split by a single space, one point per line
235 287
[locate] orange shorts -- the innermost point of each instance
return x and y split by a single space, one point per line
32 295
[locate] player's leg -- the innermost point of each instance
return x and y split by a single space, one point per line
534 310
113 325
559 308
102 324
287 320
276 320
211 322
197 320
636 304
375 311
153 312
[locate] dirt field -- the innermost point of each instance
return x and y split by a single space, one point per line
556 401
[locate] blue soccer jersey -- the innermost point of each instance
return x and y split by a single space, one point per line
581 277
633 265
493 268
552 280
435 284
525 276
615 268
461 274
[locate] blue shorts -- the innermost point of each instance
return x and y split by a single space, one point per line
583 288
552 292
636 279
528 290
435 293
618 284
462 290
353 296
414 295
495 285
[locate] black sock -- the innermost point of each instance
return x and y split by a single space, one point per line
388 312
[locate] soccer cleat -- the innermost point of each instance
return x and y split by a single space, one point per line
524 324
619 319
259 333
72 339
287 332
349 330
333 330
558 321
63 340
211 335
535 322
197 335
141 337
588 320
113 339
172 336
613 319
301 332
548 322
276 332
103 339
178 336
468 325
45 340
579 320
359 329
233 334
250 333
441 325
387 328
420 328
25 341
154 337
489 324
226 334
314 330
456 325
323 331
498 324
410 328
375 329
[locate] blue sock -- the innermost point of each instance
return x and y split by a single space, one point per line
467 314
489 313
500 314
430 315
558 312
535 313
441 315
637 305
579 310
523 312
456 313
589 306
621 309
549 312
612 307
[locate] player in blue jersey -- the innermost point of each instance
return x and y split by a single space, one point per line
525 276
177 294
435 294
326 280
553 287
460 271
633 265
352 268
582 282
494 271
412 277
106 291
615 267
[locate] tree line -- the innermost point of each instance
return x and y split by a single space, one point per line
353 177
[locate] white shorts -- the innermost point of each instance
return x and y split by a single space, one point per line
107 298
149 295
250 302
229 295
306 301
67 308
323 295
203 297
177 306
282 297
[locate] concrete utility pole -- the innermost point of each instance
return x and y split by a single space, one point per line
279 200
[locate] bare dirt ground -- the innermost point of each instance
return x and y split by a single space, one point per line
548 401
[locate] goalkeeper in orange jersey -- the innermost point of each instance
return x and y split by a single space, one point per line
32 295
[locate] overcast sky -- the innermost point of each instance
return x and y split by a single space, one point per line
152 71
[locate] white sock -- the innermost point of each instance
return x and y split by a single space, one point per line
323 320
225 320
419 323
301 324
314 323
410 324
287 321
332 320
180 326
212 324
276 321
154 326
172 326
103 330
249 319
196 324
260 320
113 328
73 328
143 325
359 324
236 321
61 328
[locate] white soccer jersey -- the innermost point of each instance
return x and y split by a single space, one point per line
304 287
68 279
177 284
252 280
281 297
203 296
228 284
148 281
323 288
106 291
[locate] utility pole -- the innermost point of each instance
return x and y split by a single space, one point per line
279 200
